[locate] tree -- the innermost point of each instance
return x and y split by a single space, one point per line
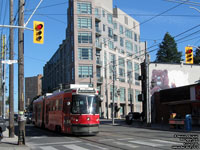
197 56
168 52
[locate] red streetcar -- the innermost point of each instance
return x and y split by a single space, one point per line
74 111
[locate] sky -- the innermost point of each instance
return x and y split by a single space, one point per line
155 16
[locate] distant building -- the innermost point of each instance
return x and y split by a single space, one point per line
175 80
33 88
99 37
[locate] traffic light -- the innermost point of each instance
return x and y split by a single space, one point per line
188 55
38 32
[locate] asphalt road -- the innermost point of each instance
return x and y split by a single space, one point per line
118 137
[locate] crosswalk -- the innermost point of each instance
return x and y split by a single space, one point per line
104 144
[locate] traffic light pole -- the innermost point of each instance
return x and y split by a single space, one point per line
21 124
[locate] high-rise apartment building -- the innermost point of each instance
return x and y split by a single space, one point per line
33 88
101 41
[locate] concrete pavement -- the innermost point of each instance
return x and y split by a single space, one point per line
11 143
139 124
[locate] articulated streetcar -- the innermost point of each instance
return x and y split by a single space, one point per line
74 111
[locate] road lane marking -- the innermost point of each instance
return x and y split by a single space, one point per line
163 141
146 143
125 139
56 143
125 144
96 146
74 147
38 137
106 140
48 148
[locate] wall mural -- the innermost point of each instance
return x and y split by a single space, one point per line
164 79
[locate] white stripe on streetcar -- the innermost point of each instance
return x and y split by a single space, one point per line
48 148
74 147
96 146
125 144
162 141
146 143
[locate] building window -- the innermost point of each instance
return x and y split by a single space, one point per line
129 65
136 95
84 23
121 42
72 56
85 53
85 71
136 69
115 38
129 33
110 45
110 32
115 93
121 29
122 94
135 37
121 72
110 18
129 45
115 25
84 8
84 37
104 27
121 62
72 73
130 94
103 12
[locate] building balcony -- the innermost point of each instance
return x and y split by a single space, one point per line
98 45
98 32
99 63
97 17
99 80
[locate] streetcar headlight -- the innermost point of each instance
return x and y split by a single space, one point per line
97 119
88 119
76 120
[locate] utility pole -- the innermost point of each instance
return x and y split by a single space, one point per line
129 74
148 101
21 135
11 75
106 91
113 100
4 75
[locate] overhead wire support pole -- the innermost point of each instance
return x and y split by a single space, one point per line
11 74
33 13
4 75
113 98
21 123
11 26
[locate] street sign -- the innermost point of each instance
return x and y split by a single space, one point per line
9 61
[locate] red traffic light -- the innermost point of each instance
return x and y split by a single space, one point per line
39 27
189 51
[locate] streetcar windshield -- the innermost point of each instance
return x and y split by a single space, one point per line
82 104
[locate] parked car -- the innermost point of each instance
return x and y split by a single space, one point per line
133 116
15 117
29 118
2 124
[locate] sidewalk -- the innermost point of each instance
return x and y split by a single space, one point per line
138 124
11 143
